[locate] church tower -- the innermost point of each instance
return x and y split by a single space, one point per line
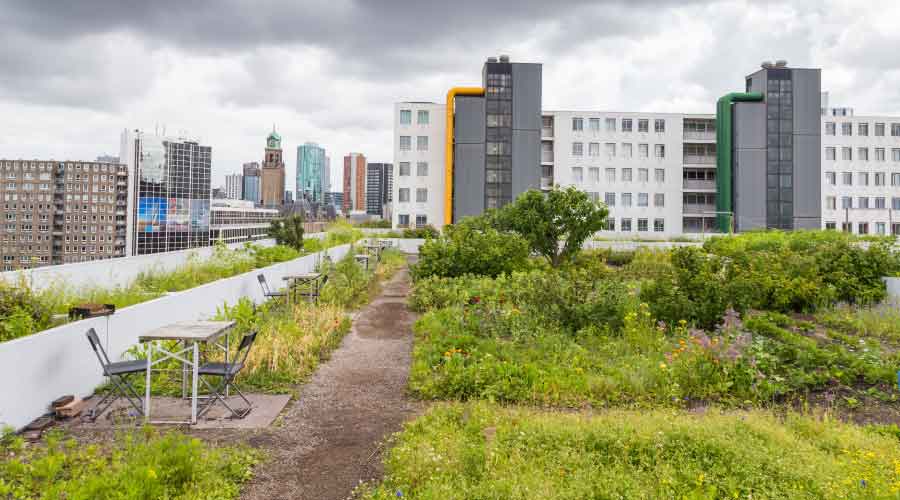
272 175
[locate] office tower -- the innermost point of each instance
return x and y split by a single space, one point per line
234 185
311 172
484 153
171 192
236 221
354 183
272 173
378 187
326 176
335 199
62 212
250 190
288 197
769 138
219 193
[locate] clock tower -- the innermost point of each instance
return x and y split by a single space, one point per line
272 174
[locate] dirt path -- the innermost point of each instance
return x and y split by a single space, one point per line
329 440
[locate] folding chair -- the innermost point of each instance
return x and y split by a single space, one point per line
227 372
267 292
118 374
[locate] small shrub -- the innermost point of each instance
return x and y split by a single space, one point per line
463 249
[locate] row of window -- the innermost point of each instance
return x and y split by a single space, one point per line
862 154
862 178
421 195
659 150
406 143
422 117
48 166
643 199
626 124
403 220
421 169
643 225
863 227
862 129
862 202
659 175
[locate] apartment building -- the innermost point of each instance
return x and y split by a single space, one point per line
250 187
234 186
235 221
354 183
62 212
418 191
379 177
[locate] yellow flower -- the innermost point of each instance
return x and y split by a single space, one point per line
151 473
662 366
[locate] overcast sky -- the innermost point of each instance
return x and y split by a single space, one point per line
74 74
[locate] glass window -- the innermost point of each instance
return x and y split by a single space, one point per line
403 195
421 195
895 179
404 168
577 124
422 118
879 178
879 154
643 125
626 199
862 154
609 199
626 175
659 225
879 129
594 149
643 200
862 202
830 153
863 178
830 202
659 150
626 150
610 175
895 130
660 175
863 228
847 154
644 151
405 143
610 124
594 174
626 224
879 202
594 123
642 225
405 116
610 149
422 169
643 174
829 128
577 175
847 178
846 128
659 200
577 149
846 202
895 154
610 224
422 143
626 124
862 129
659 126
421 221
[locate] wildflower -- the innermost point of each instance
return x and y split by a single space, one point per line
662 366
151 473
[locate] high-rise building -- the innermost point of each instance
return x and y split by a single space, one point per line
61 212
311 172
354 183
326 176
171 192
378 187
484 153
288 197
250 190
272 180
235 221
335 199
234 186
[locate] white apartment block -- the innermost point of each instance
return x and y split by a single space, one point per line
655 171
861 173
419 141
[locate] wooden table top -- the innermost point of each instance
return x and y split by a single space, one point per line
199 331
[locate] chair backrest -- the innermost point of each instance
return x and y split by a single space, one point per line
98 349
263 284
244 347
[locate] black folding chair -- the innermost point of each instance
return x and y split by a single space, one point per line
118 374
227 372
267 292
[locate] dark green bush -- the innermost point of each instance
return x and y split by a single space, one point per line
463 249
421 232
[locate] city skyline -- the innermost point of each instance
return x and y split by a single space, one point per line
115 73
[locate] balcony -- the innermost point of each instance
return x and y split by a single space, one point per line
546 156
698 184
698 209
546 132
694 135
699 160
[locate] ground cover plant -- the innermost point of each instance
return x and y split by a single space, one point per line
486 451
145 464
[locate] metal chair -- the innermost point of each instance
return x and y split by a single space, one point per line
227 372
118 374
267 292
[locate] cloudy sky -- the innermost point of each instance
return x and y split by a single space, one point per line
74 74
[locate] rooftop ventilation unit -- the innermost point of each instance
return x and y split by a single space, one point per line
504 58
767 65
491 59
781 63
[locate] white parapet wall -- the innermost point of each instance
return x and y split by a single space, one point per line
39 368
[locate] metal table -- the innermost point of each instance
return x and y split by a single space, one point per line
190 334
314 281
363 259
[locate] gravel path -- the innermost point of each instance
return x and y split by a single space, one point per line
330 439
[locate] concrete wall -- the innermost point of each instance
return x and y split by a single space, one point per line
750 165
469 157
807 117
526 127
39 368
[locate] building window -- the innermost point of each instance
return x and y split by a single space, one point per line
422 143
421 221
626 124
863 228
643 125
643 174
846 128
847 227
862 202
642 225
577 124
659 200
862 154
405 117
577 175
879 129
626 225
659 150
643 199
610 149
610 124
610 224
830 154
403 195
862 129
644 151
895 130
659 225
895 154
421 195
610 175
405 143
831 226
846 202
895 179
594 175
577 149
660 175
626 200
863 178
594 149
626 150
609 199
847 154
594 124
422 169
659 126
895 203
829 128
404 169
880 202
880 228
879 178
830 202
879 154
422 117
626 175
847 178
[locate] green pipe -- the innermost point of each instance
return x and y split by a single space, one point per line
724 148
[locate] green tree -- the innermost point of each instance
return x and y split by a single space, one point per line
546 219
464 248
288 231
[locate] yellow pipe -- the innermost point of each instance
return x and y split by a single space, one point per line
448 152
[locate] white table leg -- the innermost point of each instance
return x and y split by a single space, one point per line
147 389
196 374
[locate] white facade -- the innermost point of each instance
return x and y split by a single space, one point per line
861 174
234 184
418 187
